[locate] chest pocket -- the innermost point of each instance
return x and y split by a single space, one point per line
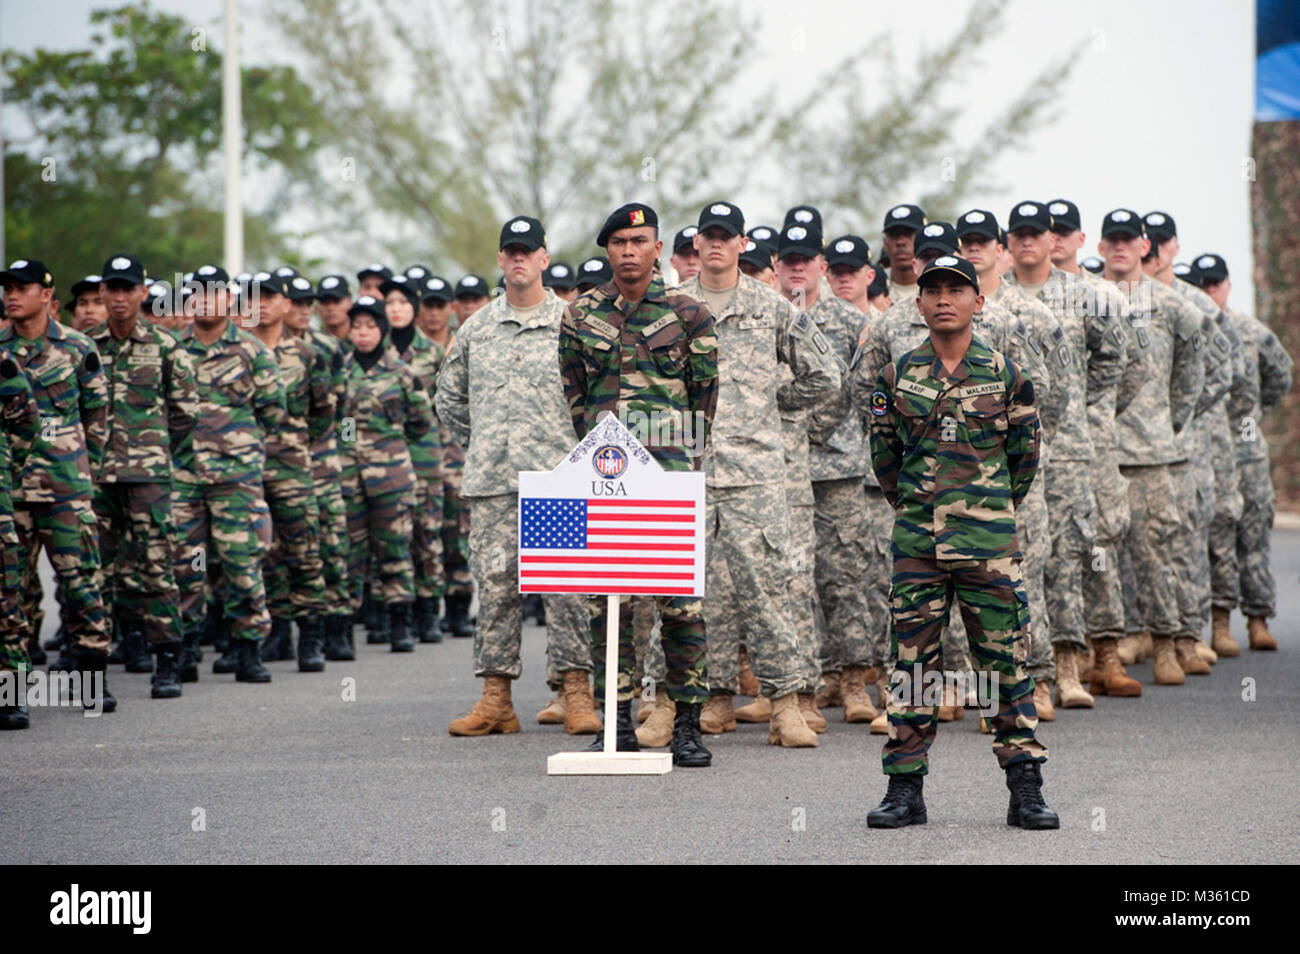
984 408
58 380
142 381
233 378
1141 334
598 350
392 404
667 347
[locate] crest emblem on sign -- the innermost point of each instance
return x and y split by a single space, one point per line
610 461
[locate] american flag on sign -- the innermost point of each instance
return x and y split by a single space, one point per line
609 545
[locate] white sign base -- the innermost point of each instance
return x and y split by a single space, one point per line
606 763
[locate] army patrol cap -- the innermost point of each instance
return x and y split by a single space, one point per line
1065 216
879 283
123 268
301 289
1093 264
1122 222
383 272
904 217
806 215
332 288
938 237
1029 215
634 215
757 254
372 306
949 265
435 288
88 284
849 250
724 215
798 239
764 235
1210 269
1160 226
270 284
402 284
979 222
208 275
684 238
417 273
558 275
1187 273
523 230
471 286
594 271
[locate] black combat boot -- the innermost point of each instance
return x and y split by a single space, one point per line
250 661
311 639
55 641
426 620
1027 808
458 614
378 628
215 622
14 717
624 732
279 645
399 615
688 748
369 609
190 657
903 804
166 680
93 668
337 645
135 654
229 660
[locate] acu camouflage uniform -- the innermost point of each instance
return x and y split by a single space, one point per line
650 360
153 405
500 384
217 481
53 505
955 454
19 420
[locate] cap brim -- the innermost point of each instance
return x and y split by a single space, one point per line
981 230
941 247
121 277
931 275
1038 228
807 251
834 259
722 224
1121 230
529 243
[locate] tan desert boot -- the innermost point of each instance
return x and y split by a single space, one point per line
1220 637
857 704
717 715
1167 670
788 727
951 708
580 708
1070 693
1043 701
808 706
1108 676
760 710
748 681
829 697
554 712
1205 652
493 713
1083 661
1130 649
1260 637
1148 646
658 729
1188 660
880 724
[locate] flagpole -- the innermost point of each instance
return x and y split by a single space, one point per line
232 134
611 671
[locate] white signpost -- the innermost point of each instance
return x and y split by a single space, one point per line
609 520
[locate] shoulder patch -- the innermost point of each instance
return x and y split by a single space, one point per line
92 362
801 325
650 330
879 403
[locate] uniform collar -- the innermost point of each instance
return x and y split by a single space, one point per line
549 311
977 356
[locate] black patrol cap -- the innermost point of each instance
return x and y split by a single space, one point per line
158 297
382 271
1065 216
558 275
594 271
879 282
372 306
1093 264
87 284
980 222
523 230
417 273
268 283
684 238
287 271
435 288
210 275
808 216
1210 268
333 288
949 265
471 286
757 254
1160 226
1029 215
725 215
404 285
849 250
123 268
764 235
301 289
630 216
936 236
796 239
1122 222
1187 273
904 217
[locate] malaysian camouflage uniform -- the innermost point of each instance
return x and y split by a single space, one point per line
1267 372
52 493
388 411
454 576
425 359
1168 329
217 481
327 482
495 355
294 577
955 454
19 420
153 405
655 359
1087 359
901 329
747 515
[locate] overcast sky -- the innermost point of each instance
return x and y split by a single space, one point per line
1157 114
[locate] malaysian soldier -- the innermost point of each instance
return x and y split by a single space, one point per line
511 345
1169 331
217 495
333 299
559 278
954 443
387 411
758 333
19 420
594 271
401 299
371 277
1266 377
152 407
629 347
293 574
685 258
53 508
87 306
